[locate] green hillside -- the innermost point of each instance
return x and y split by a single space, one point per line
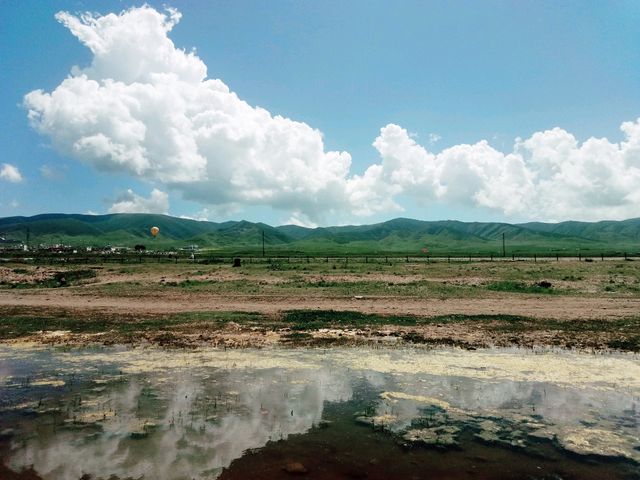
600 231
399 236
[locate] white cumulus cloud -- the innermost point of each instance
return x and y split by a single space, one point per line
549 176
130 202
10 173
147 109
299 220
52 173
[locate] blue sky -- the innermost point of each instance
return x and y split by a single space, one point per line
446 74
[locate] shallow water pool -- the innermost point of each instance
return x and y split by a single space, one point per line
318 413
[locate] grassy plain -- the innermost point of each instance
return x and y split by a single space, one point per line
567 303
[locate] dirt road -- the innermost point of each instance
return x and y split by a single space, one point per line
543 306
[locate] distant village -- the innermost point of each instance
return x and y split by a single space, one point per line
15 246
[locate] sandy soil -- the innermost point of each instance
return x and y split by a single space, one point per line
138 292
18 275
543 306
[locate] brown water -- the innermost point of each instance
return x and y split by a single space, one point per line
338 413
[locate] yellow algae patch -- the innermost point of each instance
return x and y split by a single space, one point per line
619 372
385 419
594 441
615 372
139 360
489 426
32 405
15 351
442 436
56 333
93 403
91 417
140 428
393 396
52 382
105 379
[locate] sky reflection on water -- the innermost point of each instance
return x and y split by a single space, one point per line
175 414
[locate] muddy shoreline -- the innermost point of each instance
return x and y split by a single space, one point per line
54 326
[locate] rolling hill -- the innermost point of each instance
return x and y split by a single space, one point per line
400 235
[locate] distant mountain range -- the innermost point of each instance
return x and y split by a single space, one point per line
401 235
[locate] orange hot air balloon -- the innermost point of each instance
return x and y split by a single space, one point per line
155 231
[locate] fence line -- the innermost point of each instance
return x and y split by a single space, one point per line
334 259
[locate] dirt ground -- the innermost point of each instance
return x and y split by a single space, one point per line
583 306
561 308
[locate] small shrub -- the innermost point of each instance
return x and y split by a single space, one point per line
314 319
65 279
631 344
572 278
520 287
297 337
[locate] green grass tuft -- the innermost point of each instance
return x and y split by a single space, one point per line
520 287
315 319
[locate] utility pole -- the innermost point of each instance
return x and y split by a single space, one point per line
504 251
262 243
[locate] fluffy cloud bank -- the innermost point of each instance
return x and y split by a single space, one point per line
548 176
130 202
146 108
10 173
